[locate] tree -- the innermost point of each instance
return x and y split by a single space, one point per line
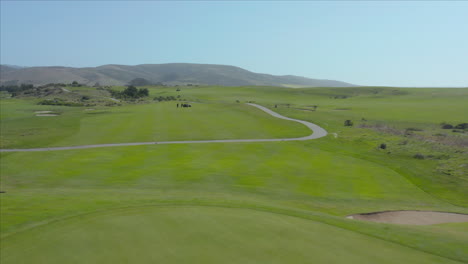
130 91
143 92
75 84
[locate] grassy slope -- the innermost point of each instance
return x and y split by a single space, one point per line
334 176
397 108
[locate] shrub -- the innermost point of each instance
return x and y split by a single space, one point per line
58 101
413 129
348 123
383 146
418 156
447 126
462 126
165 98
143 92
131 92
75 84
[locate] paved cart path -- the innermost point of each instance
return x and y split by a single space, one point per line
317 132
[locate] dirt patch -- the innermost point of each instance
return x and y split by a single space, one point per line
89 109
411 217
304 109
47 115
43 112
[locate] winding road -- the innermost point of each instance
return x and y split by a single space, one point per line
317 132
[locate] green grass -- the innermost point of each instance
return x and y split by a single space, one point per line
21 128
201 235
60 204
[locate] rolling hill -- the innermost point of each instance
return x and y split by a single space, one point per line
170 74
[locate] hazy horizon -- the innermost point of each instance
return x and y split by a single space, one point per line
401 44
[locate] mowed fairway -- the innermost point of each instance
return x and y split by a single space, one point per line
263 202
139 123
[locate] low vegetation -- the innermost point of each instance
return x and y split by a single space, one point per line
58 101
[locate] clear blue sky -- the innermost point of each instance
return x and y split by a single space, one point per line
369 43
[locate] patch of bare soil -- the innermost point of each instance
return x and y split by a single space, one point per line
46 115
305 109
43 112
411 217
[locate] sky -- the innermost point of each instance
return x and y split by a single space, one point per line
384 43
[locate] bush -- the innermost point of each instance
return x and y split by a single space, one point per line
143 92
413 129
447 126
383 146
165 98
131 92
418 156
75 84
348 123
462 126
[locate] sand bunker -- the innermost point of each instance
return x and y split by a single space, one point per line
411 217
46 115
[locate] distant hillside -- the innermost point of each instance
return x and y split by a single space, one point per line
170 74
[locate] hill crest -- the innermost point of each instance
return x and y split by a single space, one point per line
169 74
